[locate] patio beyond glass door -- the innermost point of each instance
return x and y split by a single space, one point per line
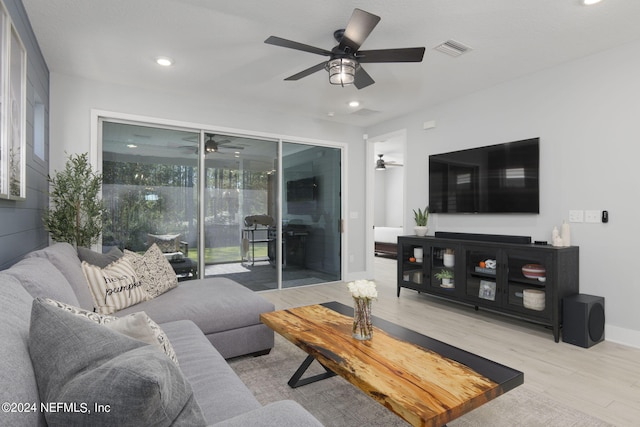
149 189
240 210
222 205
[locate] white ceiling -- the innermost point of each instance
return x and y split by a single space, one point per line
219 51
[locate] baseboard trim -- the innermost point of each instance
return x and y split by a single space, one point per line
624 336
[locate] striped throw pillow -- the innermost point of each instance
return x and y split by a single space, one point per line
114 287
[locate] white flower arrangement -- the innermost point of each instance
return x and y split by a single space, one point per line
363 289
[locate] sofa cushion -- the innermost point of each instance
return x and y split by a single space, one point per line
16 376
77 360
214 304
65 258
42 279
96 258
135 325
153 270
219 391
114 287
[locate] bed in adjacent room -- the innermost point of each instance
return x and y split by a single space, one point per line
386 240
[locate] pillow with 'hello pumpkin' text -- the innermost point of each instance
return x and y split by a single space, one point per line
114 287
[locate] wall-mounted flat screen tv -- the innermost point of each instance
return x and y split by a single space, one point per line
502 178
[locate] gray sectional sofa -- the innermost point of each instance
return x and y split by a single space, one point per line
194 316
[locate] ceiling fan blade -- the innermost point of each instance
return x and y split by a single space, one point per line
409 54
358 29
278 41
362 79
308 71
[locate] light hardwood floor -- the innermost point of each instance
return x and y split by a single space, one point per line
603 381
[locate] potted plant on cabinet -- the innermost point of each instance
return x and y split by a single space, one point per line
421 218
446 277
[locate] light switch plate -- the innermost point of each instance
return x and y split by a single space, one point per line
576 216
592 216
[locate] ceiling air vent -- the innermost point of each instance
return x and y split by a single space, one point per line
365 112
452 48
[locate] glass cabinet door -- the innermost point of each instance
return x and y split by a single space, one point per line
527 282
443 261
413 270
483 275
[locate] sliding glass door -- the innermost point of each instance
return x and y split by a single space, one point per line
262 212
149 188
240 210
311 214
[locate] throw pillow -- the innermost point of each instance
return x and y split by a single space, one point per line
85 365
166 242
135 325
96 258
114 287
153 270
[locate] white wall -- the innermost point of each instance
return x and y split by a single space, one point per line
73 99
586 113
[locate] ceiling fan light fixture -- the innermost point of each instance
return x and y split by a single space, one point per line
210 146
342 71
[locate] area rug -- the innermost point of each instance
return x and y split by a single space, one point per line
336 403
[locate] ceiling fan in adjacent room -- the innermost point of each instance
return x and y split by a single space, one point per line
381 164
345 59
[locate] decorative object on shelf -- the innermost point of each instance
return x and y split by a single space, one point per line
418 254
446 277
487 290
490 263
534 271
421 219
555 235
363 293
76 211
565 234
417 277
448 258
533 299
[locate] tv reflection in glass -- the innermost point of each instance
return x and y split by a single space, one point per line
302 196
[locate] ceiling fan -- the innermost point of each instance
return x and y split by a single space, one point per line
381 164
213 146
345 59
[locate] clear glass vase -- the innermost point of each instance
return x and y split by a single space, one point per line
362 328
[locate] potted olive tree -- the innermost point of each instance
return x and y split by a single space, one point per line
76 212
421 219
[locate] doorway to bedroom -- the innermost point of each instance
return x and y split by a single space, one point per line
386 159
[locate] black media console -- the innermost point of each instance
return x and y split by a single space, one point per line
522 280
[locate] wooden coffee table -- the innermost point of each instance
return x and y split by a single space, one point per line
424 381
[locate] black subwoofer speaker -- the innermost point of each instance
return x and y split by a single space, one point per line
583 320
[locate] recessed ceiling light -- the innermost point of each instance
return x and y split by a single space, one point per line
132 146
164 61
590 2
354 104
